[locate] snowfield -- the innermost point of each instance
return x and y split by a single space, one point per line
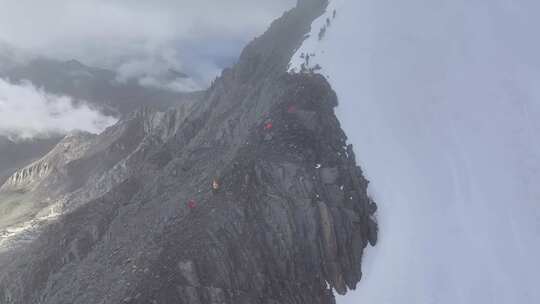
441 100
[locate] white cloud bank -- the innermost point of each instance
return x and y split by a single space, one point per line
27 111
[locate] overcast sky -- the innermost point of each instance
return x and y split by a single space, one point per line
196 36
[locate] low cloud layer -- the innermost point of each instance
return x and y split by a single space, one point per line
163 71
198 38
27 112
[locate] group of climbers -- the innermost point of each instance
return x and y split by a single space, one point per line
269 124
216 185
192 204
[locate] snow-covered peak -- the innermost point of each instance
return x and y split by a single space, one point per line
441 100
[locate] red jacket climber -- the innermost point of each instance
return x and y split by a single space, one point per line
192 204
268 126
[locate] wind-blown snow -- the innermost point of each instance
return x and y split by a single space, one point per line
442 102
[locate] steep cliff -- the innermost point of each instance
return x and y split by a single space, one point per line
441 101
137 221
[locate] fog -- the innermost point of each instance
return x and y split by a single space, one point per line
27 112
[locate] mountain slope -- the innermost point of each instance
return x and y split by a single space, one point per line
441 102
15 155
135 219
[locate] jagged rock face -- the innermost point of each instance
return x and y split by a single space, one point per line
276 232
16 154
70 148
82 166
141 223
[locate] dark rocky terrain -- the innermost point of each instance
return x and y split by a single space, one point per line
130 216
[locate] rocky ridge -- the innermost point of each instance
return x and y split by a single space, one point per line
140 223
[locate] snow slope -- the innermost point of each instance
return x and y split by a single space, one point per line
442 102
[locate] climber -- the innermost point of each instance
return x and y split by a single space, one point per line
215 185
192 204
268 126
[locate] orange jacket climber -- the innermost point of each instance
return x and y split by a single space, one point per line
215 185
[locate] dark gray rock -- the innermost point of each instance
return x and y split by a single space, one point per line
329 175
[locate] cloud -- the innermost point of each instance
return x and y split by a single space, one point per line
163 70
27 112
11 56
182 34
178 84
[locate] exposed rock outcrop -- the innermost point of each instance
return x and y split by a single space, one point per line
140 222
72 147
17 154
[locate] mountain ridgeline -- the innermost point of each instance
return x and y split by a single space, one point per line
96 88
249 195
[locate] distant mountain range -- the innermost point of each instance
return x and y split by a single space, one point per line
96 86
99 88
